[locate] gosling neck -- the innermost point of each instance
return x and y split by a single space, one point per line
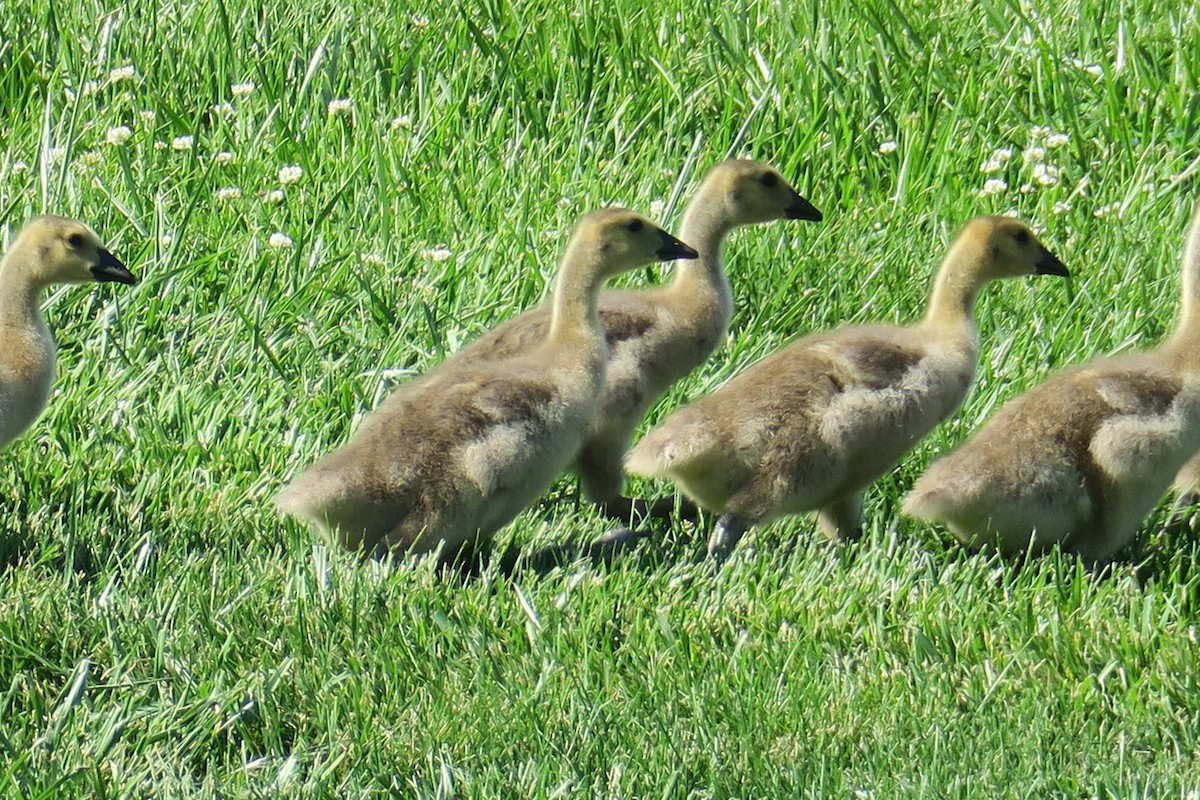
951 309
19 296
1187 332
574 306
705 226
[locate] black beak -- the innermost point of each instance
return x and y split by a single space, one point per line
1049 264
671 248
802 209
111 269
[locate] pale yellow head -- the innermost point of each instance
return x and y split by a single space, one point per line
1006 248
752 192
623 240
54 249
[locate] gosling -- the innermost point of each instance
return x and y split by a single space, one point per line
450 458
657 336
1081 460
48 250
809 427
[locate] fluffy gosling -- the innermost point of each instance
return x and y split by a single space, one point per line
1080 460
48 250
657 336
450 458
809 427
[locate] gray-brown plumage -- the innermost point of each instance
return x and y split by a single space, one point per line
812 425
1080 460
451 457
656 336
48 250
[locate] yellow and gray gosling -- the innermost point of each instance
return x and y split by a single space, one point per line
658 335
48 250
451 457
1080 460
809 427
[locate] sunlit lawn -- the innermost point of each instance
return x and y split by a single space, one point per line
323 199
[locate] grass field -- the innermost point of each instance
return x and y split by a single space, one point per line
325 197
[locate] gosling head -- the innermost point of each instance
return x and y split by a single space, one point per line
753 192
61 250
625 239
1009 249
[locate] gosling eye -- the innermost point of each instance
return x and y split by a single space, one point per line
75 240
769 180
1022 237
635 226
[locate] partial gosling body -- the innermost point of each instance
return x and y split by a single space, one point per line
1080 460
48 250
809 427
450 458
657 336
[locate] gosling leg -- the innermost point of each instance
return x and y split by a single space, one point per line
725 536
841 520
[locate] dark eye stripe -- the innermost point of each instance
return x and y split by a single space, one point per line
75 240
635 226
769 180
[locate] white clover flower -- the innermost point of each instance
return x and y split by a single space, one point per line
223 110
124 73
228 193
91 87
403 121
224 157
1148 187
19 168
994 186
1045 174
888 147
161 145
340 105
118 135
91 158
290 174
274 197
372 259
437 253
1106 210
58 155
242 89
991 165
280 241
1062 207
1057 140
657 207
166 239
420 21
1038 132
1027 188
182 143
1032 154
147 115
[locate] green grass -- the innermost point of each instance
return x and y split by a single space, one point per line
162 634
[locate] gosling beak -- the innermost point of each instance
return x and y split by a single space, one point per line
802 209
671 248
1049 264
111 269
